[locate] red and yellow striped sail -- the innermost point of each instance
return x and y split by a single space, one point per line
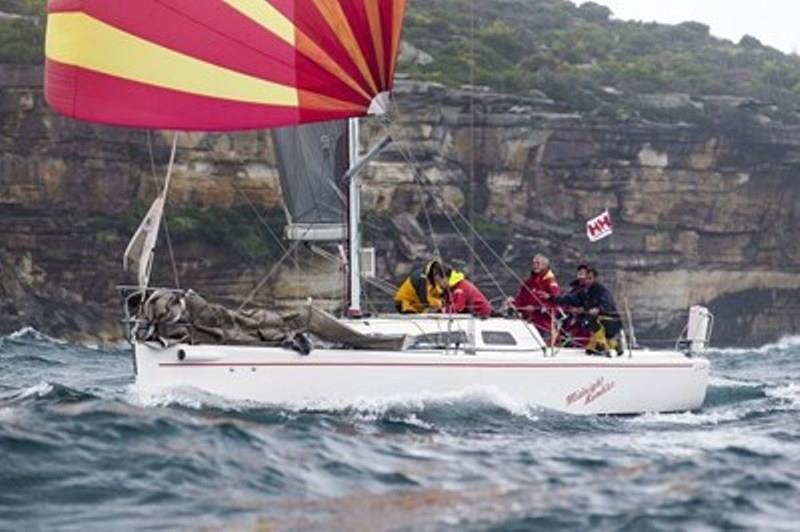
219 64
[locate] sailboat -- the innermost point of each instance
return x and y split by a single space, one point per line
221 65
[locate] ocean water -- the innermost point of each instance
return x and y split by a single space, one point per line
80 450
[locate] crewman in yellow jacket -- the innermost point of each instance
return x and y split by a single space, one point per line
419 292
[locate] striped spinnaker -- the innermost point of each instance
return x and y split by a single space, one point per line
219 64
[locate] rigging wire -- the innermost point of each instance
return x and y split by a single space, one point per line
472 63
384 286
385 124
261 218
416 166
265 224
289 252
421 181
158 187
268 276
437 253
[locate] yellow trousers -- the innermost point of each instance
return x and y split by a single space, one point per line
598 340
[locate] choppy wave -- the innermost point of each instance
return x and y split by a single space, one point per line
46 392
785 344
84 450
472 399
30 333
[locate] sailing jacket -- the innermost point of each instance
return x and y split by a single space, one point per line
416 295
533 307
465 297
595 296
574 287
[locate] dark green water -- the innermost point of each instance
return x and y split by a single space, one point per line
79 450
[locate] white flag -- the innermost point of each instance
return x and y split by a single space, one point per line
599 227
140 249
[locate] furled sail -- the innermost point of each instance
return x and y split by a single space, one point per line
312 160
139 253
220 64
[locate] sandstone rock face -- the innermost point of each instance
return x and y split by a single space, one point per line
702 215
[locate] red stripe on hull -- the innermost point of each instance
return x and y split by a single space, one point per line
415 365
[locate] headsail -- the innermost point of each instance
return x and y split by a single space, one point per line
142 246
139 253
312 159
220 64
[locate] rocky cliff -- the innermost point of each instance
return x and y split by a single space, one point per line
703 214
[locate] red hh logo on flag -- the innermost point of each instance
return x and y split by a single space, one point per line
599 227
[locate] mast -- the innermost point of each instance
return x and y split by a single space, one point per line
354 222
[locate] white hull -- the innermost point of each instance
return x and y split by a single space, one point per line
569 381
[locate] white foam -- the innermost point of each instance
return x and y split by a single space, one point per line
367 409
784 344
37 390
119 345
376 408
8 415
180 396
727 382
688 443
711 417
30 333
790 393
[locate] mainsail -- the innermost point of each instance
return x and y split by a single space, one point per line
220 64
312 161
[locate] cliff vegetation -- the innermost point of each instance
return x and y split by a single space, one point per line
21 31
581 56
578 56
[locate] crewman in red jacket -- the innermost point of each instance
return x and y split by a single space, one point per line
462 296
534 298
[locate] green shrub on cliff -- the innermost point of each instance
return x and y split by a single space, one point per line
21 42
22 34
575 54
236 229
